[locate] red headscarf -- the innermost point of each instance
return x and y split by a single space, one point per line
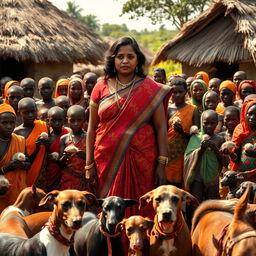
246 83
81 101
60 82
204 75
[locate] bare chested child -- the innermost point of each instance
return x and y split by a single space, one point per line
46 86
56 117
36 134
72 151
28 85
42 114
14 95
63 102
203 160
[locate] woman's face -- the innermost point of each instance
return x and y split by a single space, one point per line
251 117
178 94
198 91
63 90
126 60
76 90
226 96
246 91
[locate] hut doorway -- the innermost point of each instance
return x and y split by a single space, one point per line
225 71
12 68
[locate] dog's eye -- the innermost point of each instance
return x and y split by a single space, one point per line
81 204
158 199
129 231
175 199
66 205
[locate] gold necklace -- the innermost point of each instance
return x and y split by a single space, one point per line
125 85
118 97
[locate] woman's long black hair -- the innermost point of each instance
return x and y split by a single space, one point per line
109 68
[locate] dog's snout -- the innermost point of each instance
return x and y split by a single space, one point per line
167 214
77 222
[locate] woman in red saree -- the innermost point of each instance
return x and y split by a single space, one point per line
127 132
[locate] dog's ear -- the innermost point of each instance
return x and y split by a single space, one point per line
239 178
145 199
189 199
150 224
50 197
130 202
90 198
34 190
120 226
101 201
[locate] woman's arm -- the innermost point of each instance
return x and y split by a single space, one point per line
161 135
90 140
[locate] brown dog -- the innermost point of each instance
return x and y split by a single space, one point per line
137 229
66 218
170 234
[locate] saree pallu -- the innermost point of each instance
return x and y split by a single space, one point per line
177 144
126 150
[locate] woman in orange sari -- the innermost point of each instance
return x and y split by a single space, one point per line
127 134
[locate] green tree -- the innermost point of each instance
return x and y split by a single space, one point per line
74 10
91 21
177 11
113 29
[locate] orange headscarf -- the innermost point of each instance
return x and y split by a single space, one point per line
204 75
81 101
4 108
60 82
229 85
8 85
246 83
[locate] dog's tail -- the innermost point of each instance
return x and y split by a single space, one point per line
210 206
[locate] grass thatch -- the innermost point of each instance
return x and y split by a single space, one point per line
37 31
226 32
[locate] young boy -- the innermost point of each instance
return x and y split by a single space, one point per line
63 102
203 160
73 172
214 85
159 75
56 117
42 114
14 95
10 144
45 86
31 129
28 85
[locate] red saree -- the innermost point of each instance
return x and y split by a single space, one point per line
125 149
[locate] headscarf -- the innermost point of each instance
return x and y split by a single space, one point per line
8 85
229 85
60 82
81 101
203 100
193 100
204 75
246 83
5 108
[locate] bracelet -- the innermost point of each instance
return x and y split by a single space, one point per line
88 167
163 160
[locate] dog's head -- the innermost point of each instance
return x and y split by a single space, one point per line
231 178
113 210
242 189
69 206
136 229
167 202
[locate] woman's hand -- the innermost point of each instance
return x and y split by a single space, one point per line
178 128
160 175
91 175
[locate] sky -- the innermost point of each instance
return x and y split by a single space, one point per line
108 11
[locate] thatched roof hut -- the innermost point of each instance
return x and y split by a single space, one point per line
222 40
37 39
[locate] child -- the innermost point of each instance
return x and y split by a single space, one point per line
3 81
159 75
53 171
189 81
45 86
63 102
10 144
42 114
245 88
76 89
238 77
28 85
31 129
203 160
61 88
14 95
90 79
214 85
73 173
210 101
7 86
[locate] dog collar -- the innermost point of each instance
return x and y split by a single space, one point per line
55 232
160 234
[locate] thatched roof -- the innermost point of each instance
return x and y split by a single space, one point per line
37 31
225 32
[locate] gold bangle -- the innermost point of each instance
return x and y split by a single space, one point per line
163 160
88 167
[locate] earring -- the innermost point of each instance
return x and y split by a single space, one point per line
137 69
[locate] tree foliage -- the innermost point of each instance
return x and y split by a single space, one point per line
177 11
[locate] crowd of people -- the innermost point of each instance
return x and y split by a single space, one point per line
126 133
